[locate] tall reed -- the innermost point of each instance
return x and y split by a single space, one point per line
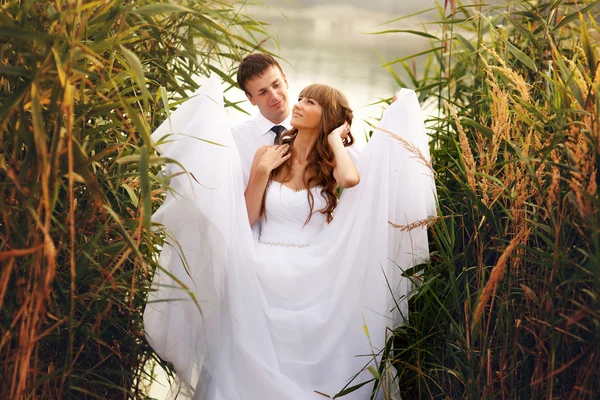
83 85
509 306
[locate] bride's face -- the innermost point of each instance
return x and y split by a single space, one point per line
306 114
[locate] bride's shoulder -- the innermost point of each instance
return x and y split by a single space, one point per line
260 151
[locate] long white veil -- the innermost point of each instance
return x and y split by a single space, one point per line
209 313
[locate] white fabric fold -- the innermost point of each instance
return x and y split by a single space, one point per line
283 322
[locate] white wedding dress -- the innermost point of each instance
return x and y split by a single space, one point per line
283 317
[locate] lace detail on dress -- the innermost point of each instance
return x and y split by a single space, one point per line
284 244
296 190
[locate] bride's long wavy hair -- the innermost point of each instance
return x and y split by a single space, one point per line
321 160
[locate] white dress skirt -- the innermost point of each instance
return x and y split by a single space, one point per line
300 312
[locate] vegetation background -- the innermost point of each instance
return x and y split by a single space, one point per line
84 83
508 307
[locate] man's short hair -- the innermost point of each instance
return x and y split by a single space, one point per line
254 66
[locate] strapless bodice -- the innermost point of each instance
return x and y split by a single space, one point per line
286 213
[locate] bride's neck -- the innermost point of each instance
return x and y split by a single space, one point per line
303 144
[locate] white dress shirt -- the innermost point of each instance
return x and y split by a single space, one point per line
252 134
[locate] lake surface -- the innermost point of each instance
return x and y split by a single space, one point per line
330 44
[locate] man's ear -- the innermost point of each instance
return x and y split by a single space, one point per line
285 79
250 99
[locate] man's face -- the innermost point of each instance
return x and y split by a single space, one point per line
269 93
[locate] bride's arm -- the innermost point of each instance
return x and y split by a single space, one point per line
345 173
266 159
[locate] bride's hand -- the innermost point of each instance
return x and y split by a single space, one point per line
275 156
341 131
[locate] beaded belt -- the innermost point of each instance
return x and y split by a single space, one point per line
284 244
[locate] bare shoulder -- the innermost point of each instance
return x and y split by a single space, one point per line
259 153
261 150
257 156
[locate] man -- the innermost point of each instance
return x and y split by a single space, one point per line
263 81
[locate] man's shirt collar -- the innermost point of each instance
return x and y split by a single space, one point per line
264 125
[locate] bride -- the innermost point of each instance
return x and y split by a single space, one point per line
305 310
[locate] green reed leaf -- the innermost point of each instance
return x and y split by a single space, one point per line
524 58
571 17
135 63
412 32
162 8
401 59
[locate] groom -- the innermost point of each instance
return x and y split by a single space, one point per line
263 81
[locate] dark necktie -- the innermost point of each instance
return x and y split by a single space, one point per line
278 129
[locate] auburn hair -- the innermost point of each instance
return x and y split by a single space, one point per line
321 160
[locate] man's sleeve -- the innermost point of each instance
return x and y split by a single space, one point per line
242 137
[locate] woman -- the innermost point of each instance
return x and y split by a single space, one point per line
311 155
299 313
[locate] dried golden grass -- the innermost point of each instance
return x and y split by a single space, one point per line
497 276
423 223
466 154
533 163
517 81
411 148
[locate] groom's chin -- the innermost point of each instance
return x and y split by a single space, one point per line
282 108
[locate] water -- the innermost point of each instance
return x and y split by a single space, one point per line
329 44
